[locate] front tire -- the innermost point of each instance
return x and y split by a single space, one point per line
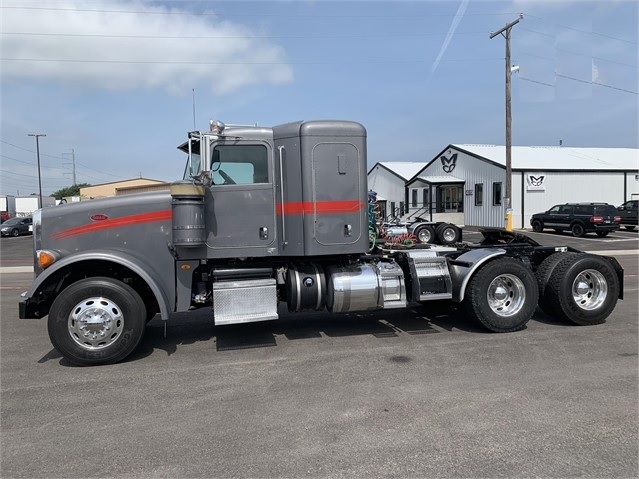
502 295
15 232
602 234
537 226
97 321
629 227
584 289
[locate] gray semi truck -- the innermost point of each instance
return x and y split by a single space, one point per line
267 217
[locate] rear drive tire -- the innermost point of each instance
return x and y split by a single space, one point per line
502 295
537 226
584 289
425 234
97 321
447 234
578 230
543 274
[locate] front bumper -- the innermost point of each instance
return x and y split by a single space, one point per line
28 309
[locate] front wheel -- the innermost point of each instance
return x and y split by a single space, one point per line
629 227
584 289
537 226
502 295
97 321
15 232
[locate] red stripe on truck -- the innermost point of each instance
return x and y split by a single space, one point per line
164 215
291 208
320 207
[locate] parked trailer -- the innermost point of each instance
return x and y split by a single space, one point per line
7 207
268 216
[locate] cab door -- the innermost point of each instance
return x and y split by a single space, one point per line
240 205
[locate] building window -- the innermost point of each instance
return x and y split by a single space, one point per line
401 208
497 194
414 198
479 194
393 212
425 197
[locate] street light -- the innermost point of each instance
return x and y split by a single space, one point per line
37 137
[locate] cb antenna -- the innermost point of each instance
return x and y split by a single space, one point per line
193 90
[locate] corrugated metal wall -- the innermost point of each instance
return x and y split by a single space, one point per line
473 171
564 187
387 185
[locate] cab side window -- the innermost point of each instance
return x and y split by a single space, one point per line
239 164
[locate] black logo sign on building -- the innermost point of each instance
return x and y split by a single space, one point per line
448 164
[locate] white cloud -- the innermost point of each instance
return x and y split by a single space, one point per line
91 45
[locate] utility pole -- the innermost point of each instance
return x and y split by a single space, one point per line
37 137
508 197
72 164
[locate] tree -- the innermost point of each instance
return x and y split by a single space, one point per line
69 191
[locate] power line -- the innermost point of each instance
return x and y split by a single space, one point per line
260 15
183 62
523 52
230 37
29 163
580 81
30 151
536 81
567 27
597 83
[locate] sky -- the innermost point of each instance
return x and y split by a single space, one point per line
116 85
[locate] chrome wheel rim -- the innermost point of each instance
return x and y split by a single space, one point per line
589 289
95 323
424 235
506 295
448 234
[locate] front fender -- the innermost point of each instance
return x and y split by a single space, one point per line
137 265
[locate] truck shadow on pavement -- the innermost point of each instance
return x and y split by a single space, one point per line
184 329
188 328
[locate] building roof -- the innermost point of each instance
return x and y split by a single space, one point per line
403 169
557 157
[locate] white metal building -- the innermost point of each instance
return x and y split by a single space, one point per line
388 180
465 184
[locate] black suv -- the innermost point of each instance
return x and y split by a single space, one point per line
629 214
579 218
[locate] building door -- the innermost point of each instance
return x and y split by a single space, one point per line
450 199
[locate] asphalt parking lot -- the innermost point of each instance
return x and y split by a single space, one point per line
421 392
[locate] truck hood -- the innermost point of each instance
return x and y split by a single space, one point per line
121 221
